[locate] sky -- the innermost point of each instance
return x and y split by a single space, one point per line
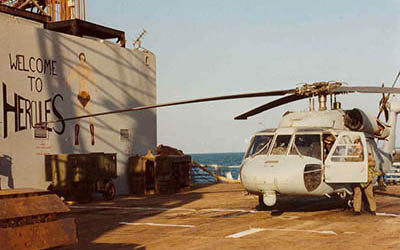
212 48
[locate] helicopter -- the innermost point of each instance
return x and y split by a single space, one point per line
292 159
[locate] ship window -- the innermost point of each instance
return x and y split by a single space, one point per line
40 132
124 134
281 145
259 145
307 145
349 149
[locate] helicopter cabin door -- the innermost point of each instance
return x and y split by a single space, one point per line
347 160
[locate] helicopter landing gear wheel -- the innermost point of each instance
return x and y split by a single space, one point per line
267 200
261 204
109 191
350 203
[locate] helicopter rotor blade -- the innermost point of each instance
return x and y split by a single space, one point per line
365 89
295 97
270 105
208 99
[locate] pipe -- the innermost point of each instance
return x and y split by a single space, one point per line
219 178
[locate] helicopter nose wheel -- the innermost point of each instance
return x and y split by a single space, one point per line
267 199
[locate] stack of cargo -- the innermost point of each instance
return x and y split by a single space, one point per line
141 171
77 176
166 171
172 173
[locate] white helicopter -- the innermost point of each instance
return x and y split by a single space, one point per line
292 159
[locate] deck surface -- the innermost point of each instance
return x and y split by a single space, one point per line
223 216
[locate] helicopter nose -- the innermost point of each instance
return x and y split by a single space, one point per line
255 178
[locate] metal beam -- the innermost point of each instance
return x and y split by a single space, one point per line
24 14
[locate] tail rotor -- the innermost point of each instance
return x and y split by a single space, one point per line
383 103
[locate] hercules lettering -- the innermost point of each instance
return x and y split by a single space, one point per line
27 112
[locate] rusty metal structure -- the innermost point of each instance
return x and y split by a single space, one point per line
58 10
62 16
34 219
164 172
78 176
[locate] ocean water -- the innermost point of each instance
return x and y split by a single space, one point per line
219 163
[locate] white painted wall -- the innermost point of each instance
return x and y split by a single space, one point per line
122 80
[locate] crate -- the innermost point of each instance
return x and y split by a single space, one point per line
172 173
141 172
160 174
77 176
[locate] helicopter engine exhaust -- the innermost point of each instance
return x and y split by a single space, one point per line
358 120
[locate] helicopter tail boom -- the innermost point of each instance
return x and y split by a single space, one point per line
389 144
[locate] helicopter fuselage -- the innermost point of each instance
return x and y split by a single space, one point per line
284 175
294 160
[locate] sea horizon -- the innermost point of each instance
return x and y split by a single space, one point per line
222 159
214 153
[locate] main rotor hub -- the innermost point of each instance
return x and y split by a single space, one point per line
317 88
320 89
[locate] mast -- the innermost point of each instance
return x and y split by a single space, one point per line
58 10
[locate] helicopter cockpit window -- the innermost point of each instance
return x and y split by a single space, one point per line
260 145
349 149
281 145
307 145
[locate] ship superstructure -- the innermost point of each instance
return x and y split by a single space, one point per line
54 67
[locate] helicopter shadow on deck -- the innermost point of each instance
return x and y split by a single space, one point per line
304 204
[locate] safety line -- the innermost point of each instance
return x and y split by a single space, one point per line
255 230
134 208
155 224
167 209
244 233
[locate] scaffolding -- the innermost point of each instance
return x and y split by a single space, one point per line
58 10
